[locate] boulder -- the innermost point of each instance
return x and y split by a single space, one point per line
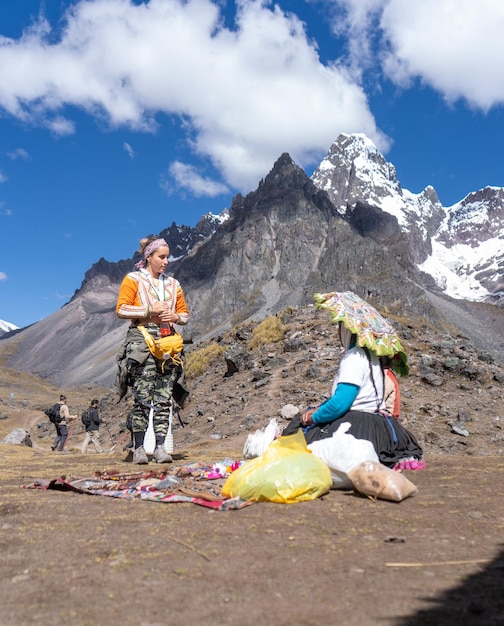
18 436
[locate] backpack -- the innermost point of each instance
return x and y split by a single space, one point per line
53 413
86 418
395 410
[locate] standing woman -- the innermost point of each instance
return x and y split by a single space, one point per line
150 298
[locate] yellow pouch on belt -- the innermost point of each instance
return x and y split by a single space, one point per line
164 348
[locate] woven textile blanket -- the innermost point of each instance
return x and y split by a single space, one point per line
193 482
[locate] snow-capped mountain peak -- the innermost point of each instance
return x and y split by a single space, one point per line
461 246
354 172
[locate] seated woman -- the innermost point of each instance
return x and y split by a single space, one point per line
358 397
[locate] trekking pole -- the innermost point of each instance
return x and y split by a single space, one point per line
121 439
110 434
69 433
181 421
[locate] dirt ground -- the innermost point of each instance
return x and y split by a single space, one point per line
434 559
74 559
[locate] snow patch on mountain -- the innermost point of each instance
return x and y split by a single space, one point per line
218 219
354 170
6 327
467 259
452 270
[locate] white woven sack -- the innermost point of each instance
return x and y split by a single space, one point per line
341 453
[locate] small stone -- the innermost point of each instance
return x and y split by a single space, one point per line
288 411
433 379
18 436
459 430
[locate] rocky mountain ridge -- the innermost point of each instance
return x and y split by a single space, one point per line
458 248
349 227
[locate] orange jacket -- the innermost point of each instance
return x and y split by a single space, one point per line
137 296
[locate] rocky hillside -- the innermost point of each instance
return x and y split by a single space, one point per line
452 399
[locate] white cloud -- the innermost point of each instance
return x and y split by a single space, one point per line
3 276
19 153
356 22
245 95
3 177
61 126
4 212
187 177
129 150
453 46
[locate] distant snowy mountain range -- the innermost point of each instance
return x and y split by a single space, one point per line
467 259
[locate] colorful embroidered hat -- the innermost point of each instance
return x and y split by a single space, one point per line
363 320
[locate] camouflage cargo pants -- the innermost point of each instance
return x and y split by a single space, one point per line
152 386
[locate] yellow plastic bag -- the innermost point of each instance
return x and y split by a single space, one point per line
287 472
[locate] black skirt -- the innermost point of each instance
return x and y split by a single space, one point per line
391 441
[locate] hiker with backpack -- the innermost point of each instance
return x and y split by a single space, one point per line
153 302
59 416
91 420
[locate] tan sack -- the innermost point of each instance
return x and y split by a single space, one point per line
377 481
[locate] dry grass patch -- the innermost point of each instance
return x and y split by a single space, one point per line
197 362
270 330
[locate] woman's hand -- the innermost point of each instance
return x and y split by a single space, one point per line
307 417
157 308
161 313
169 316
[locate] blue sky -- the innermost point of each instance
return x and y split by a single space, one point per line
118 117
